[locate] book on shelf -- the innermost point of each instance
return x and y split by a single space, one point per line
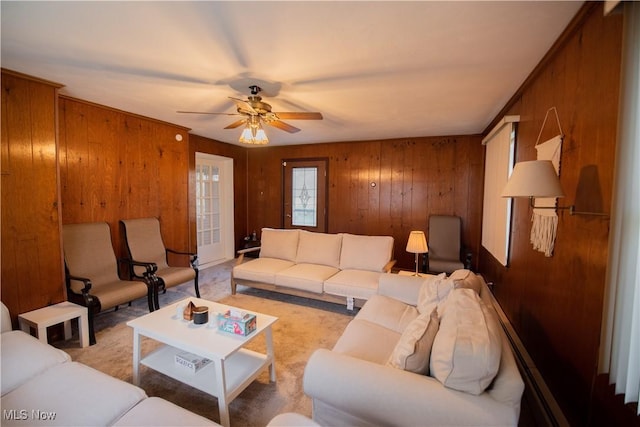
191 362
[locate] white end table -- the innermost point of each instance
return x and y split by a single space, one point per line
42 318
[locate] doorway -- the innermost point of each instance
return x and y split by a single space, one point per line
214 209
305 194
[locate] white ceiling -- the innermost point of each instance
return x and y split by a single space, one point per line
375 70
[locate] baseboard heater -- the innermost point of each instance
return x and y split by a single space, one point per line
543 402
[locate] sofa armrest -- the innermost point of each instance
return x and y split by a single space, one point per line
241 253
398 397
403 288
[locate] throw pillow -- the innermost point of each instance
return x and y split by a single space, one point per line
466 279
467 349
433 291
413 350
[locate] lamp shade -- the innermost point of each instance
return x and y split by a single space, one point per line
535 178
417 243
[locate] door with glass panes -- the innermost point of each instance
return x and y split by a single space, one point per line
212 217
305 194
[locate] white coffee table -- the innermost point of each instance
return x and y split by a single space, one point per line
232 368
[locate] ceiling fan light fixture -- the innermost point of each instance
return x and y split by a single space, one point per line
253 133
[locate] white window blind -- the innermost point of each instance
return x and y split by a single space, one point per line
620 337
496 210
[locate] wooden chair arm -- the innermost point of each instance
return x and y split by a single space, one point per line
241 253
387 267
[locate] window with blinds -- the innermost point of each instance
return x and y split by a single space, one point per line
496 212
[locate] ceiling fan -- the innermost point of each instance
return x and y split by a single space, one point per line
255 111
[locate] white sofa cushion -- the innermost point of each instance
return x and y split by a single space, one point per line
24 357
467 348
388 312
277 243
467 280
307 277
367 341
365 252
361 284
319 248
412 351
433 291
261 269
159 412
77 394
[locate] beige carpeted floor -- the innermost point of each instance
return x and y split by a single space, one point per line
303 326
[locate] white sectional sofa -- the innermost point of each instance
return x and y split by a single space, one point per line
427 352
42 386
330 267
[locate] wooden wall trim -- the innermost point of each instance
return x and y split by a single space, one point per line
31 78
139 116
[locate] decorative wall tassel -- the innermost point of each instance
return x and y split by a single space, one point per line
543 233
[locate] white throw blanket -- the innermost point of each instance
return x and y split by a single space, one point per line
545 221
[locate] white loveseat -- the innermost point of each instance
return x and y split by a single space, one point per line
428 352
330 267
42 386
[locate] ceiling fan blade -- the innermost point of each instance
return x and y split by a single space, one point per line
243 106
236 124
283 126
299 116
202 112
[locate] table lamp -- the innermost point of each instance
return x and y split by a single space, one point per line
417 244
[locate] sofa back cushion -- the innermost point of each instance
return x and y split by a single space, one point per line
467 349
319 248
370 253
277 243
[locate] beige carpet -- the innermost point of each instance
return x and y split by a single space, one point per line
303 326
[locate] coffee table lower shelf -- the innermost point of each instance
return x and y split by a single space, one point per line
240 370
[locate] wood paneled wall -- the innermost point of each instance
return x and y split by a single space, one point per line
414 177
555 304
239 155
32 270
116 165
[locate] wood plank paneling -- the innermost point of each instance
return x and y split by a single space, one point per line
414 177
32 273
116 165
555 304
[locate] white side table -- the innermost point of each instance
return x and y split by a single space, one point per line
42 318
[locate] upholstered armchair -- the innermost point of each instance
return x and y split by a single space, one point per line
145 246
445 245
91 269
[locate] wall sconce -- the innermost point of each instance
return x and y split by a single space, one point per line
417 244
538 178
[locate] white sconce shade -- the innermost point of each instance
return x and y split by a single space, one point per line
535 178
417 243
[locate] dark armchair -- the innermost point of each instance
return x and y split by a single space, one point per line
445 245
91 271
145 246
